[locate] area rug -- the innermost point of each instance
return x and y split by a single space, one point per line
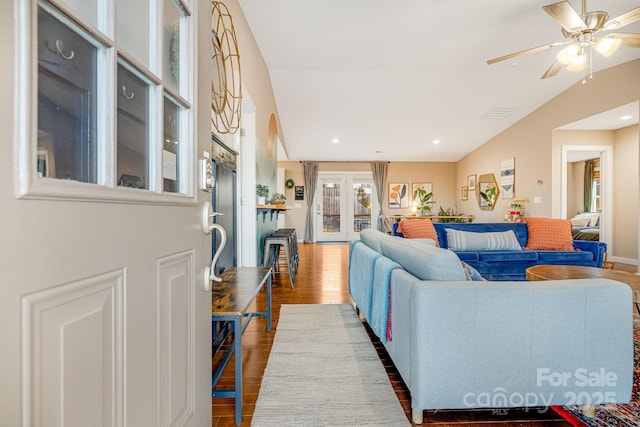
324 371
613 415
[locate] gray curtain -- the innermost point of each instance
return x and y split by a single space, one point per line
379 170
588 185
310 178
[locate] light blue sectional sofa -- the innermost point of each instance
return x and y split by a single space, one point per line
462 344
511 265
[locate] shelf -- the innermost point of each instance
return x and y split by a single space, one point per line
270 209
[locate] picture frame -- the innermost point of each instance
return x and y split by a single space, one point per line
464 193
471 182
398 195
426 186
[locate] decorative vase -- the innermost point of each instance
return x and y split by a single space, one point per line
262 200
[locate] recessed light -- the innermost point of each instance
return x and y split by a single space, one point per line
436 141
625 118
335 140
380 151
514 64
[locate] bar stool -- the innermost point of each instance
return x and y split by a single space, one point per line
272 245
293 239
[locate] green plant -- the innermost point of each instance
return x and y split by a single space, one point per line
262 190
278 196
489 196
451 212
424 199
363 199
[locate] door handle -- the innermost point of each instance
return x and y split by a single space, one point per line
207 227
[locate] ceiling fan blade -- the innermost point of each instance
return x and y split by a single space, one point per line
553 70
625 19
565 15
525 52
628 39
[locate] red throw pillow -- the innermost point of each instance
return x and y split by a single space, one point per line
418 229
549 234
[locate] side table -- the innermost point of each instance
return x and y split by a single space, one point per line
230 301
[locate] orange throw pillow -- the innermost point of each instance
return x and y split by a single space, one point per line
418 229
549 234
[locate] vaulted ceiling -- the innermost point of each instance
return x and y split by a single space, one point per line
387 78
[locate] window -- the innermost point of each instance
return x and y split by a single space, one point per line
114 115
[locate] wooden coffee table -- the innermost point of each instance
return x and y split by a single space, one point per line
562 272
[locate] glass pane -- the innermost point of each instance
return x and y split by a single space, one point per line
171 154
132 29
67 76
331 207
86 10
133 130
361 206
171 44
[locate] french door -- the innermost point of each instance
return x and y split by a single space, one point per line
344 205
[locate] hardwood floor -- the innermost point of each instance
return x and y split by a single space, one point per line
322 279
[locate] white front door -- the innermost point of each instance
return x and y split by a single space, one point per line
105 320
345 202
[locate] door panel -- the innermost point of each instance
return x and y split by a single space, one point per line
70 337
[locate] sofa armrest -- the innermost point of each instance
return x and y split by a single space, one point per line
597 248
462 340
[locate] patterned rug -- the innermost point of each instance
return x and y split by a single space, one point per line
613 415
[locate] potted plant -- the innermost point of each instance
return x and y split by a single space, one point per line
423 201
278 199
262 191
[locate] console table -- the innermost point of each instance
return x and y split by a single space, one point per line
230 301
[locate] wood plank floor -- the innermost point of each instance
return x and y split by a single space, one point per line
322 279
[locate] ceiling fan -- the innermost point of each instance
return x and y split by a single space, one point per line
584 33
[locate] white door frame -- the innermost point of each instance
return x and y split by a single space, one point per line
347 178
606 185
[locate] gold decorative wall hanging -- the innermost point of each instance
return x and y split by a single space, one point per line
226 85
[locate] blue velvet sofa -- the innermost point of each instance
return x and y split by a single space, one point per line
511 265
461 344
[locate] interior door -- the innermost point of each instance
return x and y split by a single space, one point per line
345 202
105 320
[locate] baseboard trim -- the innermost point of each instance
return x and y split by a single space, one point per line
623 260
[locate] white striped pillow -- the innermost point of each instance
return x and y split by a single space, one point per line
458 240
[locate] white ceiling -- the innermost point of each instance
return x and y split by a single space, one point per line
388 77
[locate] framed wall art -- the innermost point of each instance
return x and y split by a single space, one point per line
471 182
398 195
464 193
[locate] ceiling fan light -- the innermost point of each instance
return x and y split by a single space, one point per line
579 63
567 55
607 46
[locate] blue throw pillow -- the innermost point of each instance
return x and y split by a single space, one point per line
471 273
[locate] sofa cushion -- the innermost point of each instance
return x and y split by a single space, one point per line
518 256
550 234
583 257
458 240
468 256
423 261
418 228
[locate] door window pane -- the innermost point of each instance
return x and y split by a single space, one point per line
171 44
361 206
132 29
331 207
86 10
172 148
133 130
67 109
